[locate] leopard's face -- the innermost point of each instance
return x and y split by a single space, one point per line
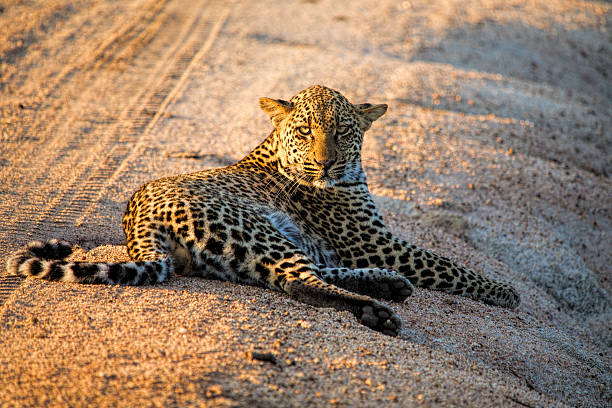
320 134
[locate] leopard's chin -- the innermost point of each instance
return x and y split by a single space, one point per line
324 183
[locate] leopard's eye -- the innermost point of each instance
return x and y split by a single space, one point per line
304 130
342 130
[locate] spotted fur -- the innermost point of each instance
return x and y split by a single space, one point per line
295 215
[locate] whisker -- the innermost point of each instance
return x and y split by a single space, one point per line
282 188
296 184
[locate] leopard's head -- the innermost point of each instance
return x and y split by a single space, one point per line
319 135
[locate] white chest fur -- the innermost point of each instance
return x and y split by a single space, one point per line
314 247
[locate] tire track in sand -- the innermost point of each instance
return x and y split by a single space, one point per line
149 88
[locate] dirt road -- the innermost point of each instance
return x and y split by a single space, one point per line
91 88
495 151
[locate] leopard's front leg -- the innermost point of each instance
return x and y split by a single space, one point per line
375 282
368 244
427 270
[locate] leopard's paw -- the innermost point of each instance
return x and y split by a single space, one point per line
379 317
507 296
390 285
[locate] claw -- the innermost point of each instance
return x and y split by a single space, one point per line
389 324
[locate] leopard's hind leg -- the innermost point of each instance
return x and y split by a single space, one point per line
299 278
272 260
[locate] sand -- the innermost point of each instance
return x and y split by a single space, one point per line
495 151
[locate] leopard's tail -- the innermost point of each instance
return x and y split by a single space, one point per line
45 260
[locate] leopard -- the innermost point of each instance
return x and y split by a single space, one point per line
295 215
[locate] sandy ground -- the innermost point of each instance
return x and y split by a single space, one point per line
495 151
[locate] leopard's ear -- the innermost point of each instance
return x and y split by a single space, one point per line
276 109
370 112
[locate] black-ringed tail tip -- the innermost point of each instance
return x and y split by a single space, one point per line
45 260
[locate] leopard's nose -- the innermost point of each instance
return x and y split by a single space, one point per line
325 163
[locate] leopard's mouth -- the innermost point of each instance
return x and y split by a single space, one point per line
310 176
325 179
